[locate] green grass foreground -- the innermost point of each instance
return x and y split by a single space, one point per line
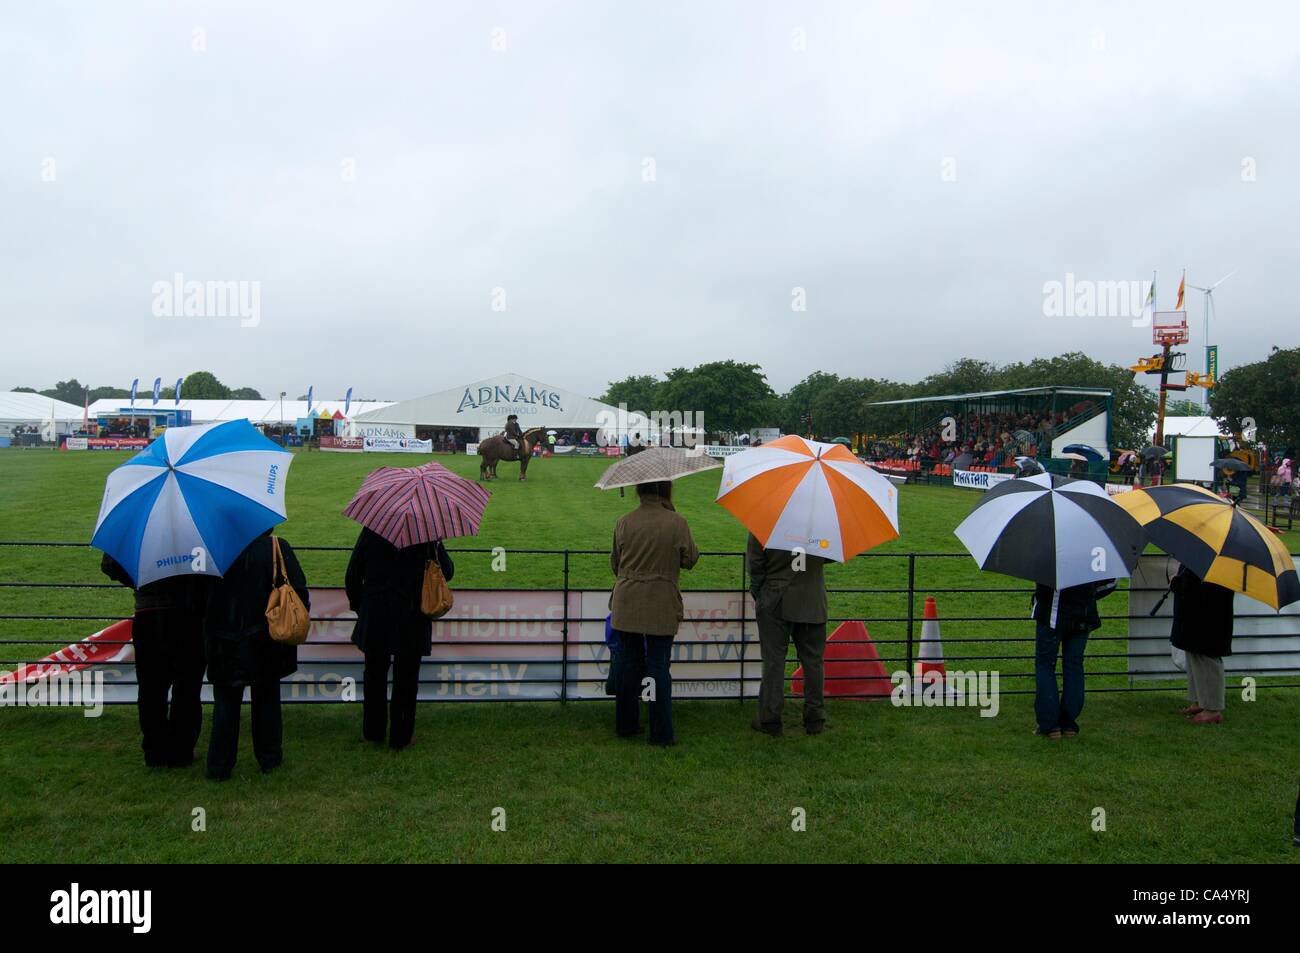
883 784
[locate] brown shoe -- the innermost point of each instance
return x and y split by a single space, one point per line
1053 735
1207 717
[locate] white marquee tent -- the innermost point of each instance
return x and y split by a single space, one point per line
485 405
213 411
19 408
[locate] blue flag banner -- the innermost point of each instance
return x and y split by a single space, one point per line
309 390
178 390
347 402
157 388
135 385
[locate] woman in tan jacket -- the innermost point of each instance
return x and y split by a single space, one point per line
652 544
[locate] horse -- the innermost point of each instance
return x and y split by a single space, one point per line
496 448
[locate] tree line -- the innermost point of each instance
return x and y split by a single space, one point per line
201 385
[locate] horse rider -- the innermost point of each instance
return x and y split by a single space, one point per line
514 434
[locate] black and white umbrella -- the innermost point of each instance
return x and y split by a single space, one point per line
1052 530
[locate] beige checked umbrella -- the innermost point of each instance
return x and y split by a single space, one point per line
653 465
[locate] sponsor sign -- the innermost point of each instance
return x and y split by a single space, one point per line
105 443
717 450
396 445
978 480
343 444
383 430
471 450
494 645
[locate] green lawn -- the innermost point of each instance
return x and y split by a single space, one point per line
881 784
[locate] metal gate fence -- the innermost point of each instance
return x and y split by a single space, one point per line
990 630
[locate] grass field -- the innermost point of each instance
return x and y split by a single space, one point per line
881 784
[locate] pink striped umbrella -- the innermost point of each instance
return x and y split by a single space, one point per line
410 505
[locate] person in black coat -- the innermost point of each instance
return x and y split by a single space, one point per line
1065 617
384 585
242 654
167 633
1202 627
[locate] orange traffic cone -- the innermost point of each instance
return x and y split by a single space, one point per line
930 654
852 659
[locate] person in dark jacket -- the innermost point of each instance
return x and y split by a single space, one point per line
167 634
1202 627
384 585
790 605
652 545
1065 617
242 654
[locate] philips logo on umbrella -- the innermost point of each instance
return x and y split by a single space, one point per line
271 476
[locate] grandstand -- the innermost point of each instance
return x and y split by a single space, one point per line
989 429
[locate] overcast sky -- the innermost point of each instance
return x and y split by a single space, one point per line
646 183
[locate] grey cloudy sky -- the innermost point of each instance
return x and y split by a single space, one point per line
920 169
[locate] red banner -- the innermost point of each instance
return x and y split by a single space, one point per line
343 444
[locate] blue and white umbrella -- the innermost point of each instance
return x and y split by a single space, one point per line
192 500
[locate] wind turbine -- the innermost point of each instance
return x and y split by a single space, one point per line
1209 306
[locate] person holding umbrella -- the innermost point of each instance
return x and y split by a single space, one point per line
174 517
652 545
1073 541
405 514
805 503
242 655
1202 628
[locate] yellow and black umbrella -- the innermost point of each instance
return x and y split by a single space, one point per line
1216 540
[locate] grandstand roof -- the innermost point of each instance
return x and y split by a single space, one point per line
989 394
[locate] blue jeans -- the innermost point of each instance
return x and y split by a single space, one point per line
640 657
1058 711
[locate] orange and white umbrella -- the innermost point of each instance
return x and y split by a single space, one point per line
794 493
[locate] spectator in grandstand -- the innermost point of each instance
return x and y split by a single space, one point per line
384 585
1064 619
652 545
241 654
1202 628
789 593
167 632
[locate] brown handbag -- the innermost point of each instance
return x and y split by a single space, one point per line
435 595
287 618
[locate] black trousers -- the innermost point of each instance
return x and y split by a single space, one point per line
399 716
268 727
168 660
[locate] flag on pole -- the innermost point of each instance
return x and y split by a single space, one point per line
347 402
135 385
157 389
1181 285
309 390
85 413
178 390
1149 307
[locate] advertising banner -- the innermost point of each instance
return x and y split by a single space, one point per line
396 445
978 480
1260 635
494 645
343 444
105 443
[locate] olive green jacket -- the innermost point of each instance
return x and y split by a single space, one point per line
652 544
795 596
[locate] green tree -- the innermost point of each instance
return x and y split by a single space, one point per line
70 391
203 385
639 392
245 393
1266 392
795 408
732 396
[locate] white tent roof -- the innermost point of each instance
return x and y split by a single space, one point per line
1193 427
488 402
22 407
211 411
